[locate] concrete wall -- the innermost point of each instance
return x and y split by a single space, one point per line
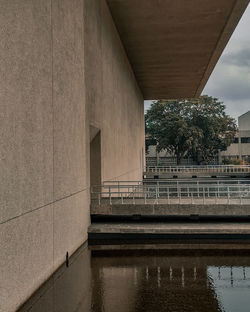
244 121
44 207
45 139
232 150
240 150
113 100
44 131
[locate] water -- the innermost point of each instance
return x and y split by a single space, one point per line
153 280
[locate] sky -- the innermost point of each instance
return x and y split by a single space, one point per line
230 80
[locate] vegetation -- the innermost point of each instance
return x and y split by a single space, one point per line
196 127
234 161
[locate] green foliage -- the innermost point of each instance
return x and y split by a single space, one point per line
198 127
233 161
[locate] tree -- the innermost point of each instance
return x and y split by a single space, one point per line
198 127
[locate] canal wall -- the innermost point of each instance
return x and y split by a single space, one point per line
170 210
63 71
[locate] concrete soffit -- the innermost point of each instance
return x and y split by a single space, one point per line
232 22
174 45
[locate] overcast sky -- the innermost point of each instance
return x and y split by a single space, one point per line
230 80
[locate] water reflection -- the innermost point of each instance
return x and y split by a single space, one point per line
232 287
156 281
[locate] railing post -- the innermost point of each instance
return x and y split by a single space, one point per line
168 195
228 195
99 198
122 197
203 196
145 198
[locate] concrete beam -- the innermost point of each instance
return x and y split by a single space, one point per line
171 210
173 46
161 228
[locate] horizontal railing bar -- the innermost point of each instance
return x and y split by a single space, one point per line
193 168
172 184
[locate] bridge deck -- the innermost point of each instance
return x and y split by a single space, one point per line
104 230
174 209
198 171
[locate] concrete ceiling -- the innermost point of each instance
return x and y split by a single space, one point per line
173 45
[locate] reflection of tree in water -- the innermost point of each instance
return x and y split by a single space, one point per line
167 283
176 289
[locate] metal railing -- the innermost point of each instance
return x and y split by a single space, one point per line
148 181
198 169
172 194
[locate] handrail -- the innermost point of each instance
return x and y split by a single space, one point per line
172 181
198 168
182 193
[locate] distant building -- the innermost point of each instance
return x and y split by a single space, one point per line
240 149
164 158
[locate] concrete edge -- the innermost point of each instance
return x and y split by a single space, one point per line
234 18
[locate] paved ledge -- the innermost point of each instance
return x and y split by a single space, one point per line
173 246
170 228
180 210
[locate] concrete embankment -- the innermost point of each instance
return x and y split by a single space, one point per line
169 230
172 210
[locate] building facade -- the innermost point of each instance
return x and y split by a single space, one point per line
240 149
73 77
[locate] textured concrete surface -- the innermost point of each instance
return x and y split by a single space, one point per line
26 257
71 219
68 97
169 228
114 101
45 130
173 46
170 210
26 142
179 245
44 202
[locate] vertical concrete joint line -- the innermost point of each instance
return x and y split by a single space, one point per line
53 130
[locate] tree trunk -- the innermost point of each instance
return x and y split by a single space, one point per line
178 159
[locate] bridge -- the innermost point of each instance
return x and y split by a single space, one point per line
197 171
158 208
169 192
